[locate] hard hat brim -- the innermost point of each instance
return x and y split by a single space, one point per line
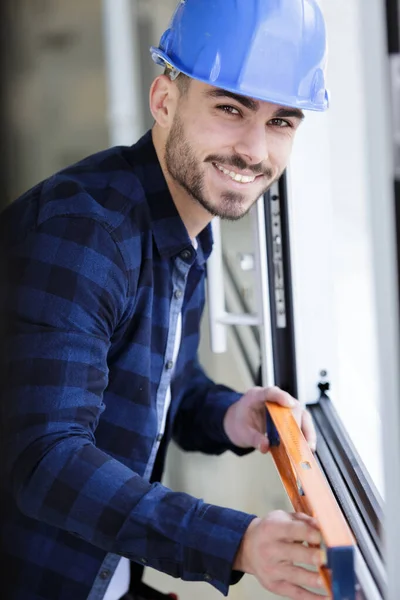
162 59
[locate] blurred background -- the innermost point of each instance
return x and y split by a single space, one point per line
59 107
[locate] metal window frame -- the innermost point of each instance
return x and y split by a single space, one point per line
377 531
352 486
336 454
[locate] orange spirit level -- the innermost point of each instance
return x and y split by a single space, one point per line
309 493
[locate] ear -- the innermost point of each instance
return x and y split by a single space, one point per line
163 100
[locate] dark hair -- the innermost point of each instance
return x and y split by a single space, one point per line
182 81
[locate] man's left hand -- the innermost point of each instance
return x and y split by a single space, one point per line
245 421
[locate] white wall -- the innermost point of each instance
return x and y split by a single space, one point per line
334 302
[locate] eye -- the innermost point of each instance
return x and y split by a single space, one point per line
229 110
281 123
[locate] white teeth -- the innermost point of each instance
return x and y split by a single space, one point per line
236 176
247 179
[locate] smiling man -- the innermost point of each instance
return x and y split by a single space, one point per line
103 292
240 146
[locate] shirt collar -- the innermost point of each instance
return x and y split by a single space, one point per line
170 234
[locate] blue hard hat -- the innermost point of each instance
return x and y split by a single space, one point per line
271 50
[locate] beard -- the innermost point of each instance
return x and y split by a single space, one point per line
184 167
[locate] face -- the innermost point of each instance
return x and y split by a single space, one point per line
226 150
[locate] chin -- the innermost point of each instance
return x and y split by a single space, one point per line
227 203
233 212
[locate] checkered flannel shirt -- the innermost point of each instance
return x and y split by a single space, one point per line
96 261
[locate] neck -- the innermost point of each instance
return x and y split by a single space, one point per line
194 216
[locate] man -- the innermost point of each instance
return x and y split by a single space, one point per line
104 291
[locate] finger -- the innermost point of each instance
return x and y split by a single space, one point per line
278 396
302 577
259 441
300 531
263 445
359 595
297 413
293 592
306 519
308 429
297 553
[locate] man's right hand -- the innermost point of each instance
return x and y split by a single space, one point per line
271 549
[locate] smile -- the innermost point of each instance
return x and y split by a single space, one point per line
236 176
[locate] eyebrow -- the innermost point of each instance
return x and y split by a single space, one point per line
289 112
253 105
249 103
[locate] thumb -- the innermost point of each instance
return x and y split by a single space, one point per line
260 441
278 396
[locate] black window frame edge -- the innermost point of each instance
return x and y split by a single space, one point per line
283 339
351 485
393 47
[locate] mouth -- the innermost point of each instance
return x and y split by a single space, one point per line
240 178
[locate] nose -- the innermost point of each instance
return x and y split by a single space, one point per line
253 145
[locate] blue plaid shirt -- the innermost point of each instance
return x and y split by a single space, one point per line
97 267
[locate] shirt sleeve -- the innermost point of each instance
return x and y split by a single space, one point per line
65 292
198 425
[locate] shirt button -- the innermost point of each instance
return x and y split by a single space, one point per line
159 437
169 365
178 294
105 574
186 254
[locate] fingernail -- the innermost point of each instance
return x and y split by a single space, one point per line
321 583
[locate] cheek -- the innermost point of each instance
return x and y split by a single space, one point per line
211 136
197 137
280 151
